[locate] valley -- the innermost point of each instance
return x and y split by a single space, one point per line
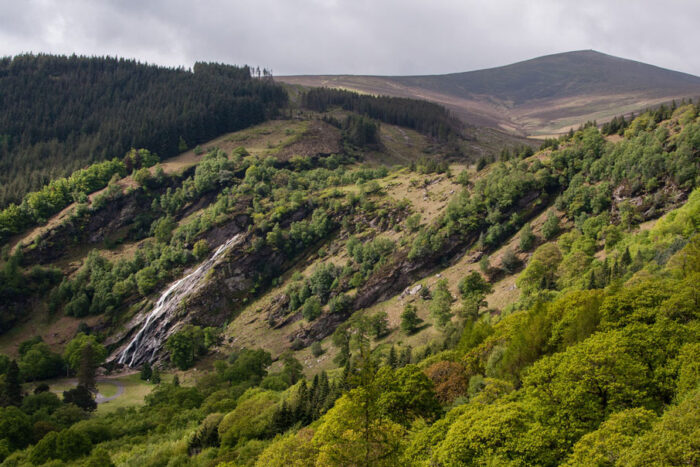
362 280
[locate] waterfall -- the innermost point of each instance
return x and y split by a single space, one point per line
166 305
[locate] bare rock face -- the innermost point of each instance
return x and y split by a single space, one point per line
95 228
318 330
156 325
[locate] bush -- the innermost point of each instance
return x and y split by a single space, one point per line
379 324
340 303
550 228
527 238
81 397
409 319
316 349
312 308
509 261
146 280
200 249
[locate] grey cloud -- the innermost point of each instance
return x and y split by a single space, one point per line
360 36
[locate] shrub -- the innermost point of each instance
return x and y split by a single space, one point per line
316 349
550 228
409 319
312 308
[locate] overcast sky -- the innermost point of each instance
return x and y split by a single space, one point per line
393 37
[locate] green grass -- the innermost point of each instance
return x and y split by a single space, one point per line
135 391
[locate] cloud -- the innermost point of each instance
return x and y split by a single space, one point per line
355 36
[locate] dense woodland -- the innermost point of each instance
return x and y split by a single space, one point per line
58 114
594 364
421 116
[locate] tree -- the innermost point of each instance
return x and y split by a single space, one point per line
200 248
355 432
317 349
155 377
146 372
11 388
73 353
672 440
185 346
509 261
527 238
409 319
450 380
292 369
392 359
163 229
541 271
605 445
87 368
441 304
312 308
473 289
80 396
550 228
379 323
15 427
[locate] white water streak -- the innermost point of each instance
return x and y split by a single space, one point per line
171 299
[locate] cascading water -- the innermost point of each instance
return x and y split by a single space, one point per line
148 339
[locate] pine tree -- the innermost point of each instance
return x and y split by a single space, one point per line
86 370
12 389
392 360
176 380
155 376
626 257
591 281
146 372
406 356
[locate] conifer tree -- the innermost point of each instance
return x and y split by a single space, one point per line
146 372
12 389
87 368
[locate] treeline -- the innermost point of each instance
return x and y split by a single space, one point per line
422 116
59 113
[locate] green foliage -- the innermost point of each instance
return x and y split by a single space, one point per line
162 229
440 307
81 397
37 361
419 115
527 238
76 347
409 319
102 107
15 427
252 417
550 228
311 308
200 249
605 445
186 345
379 322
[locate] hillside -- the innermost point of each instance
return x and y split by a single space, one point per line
545 95
59 114
334 289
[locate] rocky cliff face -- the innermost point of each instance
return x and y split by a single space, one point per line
162 320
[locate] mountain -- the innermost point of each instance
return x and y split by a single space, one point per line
541 96
352 283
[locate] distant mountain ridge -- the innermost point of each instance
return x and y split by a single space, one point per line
543 95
